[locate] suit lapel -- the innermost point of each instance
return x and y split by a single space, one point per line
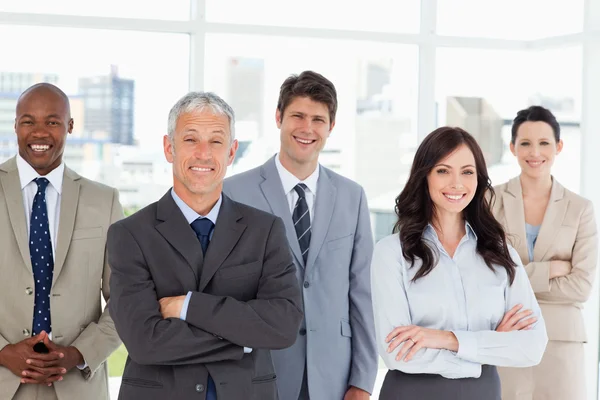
553 218
225 236
11 186
324 203
69 201
176 230
273 191
514 212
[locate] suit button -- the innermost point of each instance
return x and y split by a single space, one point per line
302 332
29 291
199 388
306 284
26 333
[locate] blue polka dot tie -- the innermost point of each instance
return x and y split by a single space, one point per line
42 261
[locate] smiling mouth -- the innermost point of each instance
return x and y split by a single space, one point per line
304 141
454 197
202 169
39 148
535 163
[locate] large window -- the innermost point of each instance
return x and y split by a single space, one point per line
376 15
101 71
151 9
509 19
375 133
482 90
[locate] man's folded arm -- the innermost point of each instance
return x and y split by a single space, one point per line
134 308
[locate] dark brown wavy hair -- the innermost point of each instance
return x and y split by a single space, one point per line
415 209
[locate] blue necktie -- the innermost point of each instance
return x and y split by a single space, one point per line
42 261
203 227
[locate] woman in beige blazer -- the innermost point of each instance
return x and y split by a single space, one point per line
554 232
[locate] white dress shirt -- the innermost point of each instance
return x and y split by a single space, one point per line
289 181
461 294
53 195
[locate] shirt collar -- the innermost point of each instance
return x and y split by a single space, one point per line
27 174
429 230
191 215
289 180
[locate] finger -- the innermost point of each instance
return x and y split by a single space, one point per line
519 316
36 376
53 378
50 344
396 331
404 349
525 323
404 336
510 313
29 380
33 362
398 340
49 371
418 346
52 356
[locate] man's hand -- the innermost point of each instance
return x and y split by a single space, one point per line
20 359
170 307
41 371
355 393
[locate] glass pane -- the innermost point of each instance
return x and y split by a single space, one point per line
509 19
151 9
375 133
120 100
377 16
482 90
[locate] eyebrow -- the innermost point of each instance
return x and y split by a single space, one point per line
463 167
304 114
47 116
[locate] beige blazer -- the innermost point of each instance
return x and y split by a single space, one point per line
81 274
568 233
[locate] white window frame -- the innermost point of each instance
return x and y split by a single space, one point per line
428 42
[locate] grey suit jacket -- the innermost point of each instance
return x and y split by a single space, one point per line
244 295
338 347
81 274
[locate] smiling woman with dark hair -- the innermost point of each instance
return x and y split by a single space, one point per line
450 296
555 234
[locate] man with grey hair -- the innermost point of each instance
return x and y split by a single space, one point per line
202 287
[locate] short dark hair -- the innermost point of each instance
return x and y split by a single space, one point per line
535 113
312 85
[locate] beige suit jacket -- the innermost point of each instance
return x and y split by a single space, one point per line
81 275
568 233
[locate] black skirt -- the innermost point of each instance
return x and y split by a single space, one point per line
400 386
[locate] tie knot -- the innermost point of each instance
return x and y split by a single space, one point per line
42 184
300 189
202 226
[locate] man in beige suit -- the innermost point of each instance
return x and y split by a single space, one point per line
54 337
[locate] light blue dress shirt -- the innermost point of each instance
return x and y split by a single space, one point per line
531 232
461 294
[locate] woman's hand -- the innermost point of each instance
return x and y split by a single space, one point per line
559 268
413 338
515 320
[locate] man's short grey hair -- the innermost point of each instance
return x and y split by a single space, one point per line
200 101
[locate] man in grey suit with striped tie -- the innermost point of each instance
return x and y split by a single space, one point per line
328 229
